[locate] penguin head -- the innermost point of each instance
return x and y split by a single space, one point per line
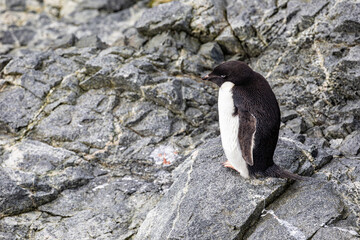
236 72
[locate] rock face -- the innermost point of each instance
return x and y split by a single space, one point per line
218 205
297 214
107 131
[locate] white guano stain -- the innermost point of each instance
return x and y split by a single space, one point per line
351 232
14 158
100 186
184 192
164 155
291 229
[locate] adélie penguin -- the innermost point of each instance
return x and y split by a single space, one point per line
249 119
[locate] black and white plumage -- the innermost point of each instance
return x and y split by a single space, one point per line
249 119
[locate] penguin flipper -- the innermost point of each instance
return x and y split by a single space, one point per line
246 135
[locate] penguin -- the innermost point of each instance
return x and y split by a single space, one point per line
249 120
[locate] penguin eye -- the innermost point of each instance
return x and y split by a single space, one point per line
223 76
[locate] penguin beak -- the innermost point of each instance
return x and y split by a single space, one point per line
205 77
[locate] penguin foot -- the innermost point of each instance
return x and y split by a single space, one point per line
228 164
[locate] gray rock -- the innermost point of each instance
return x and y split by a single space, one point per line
258 24
171 45
346 23
335 143
65 41
130 76
290 154
59 67
6 37
156 123
350 74
110 27
3 61
296 214
194 115
66 93
15 198
39 75
15 5
80 123
130 113
92 41
109 5
96 81
92 4
163 44
350 145
168 94
117 5
212 51
6 48
87 204
89 128
228 42
208 56
343 173
335 131
20 65
97 70
335 233
198 94
17 227
297 125
25 103
132 38
315 154
238 15
79 16
208 19
322 156
124 52
36 83
196 200
299 21
343 121
35 173
174 15
24 35
288 115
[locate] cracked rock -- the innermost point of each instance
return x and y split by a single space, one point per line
35 173
173 15
96 132
334 233
25 103
168 94
350 145
197 198
208 19
343 173
296 213
229 43
90 41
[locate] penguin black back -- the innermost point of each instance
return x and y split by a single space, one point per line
257 98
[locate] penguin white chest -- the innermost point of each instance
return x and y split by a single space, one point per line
229 129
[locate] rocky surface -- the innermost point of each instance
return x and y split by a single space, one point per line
107 132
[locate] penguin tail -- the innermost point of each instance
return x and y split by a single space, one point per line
276 171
